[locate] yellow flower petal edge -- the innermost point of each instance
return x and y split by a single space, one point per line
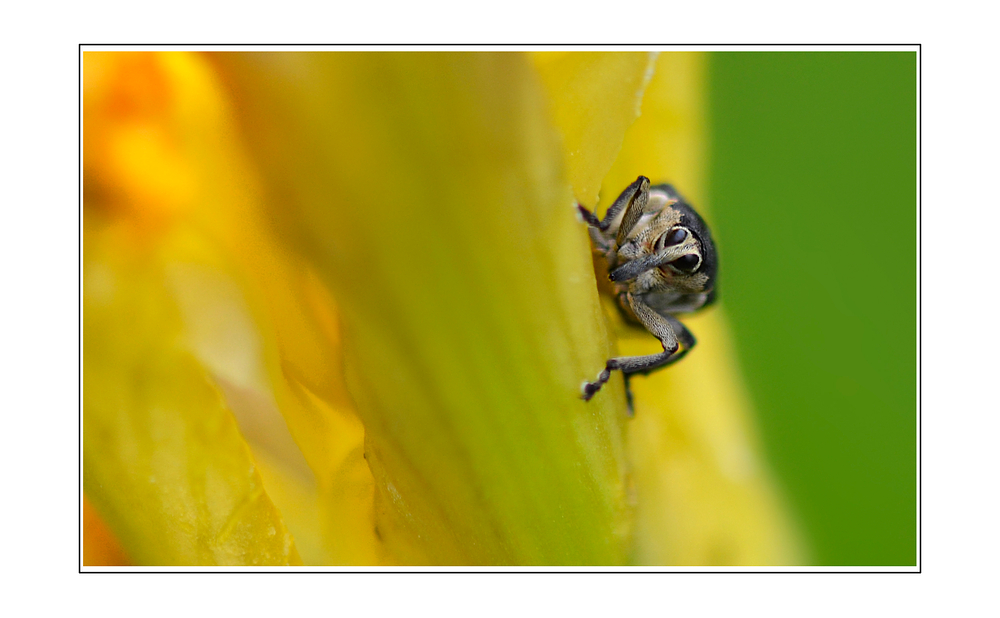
704 495
595 97
163 460
427 190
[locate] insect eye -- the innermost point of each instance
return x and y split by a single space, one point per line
675 237
687 263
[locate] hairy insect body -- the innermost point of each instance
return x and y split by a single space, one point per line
662 261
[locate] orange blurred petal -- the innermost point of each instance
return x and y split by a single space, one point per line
100 546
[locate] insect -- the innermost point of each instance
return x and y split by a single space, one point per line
662 261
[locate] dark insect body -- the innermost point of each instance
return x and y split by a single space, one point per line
662 261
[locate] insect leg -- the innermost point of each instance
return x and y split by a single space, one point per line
634 200
637 192
684 336
589 217
629 400
666 328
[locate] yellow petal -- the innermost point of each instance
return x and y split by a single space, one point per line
164 462
297 497
704 494
253 312
427 191
594 98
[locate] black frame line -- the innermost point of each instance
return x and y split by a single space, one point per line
512 570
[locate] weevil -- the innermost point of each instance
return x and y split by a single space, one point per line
662 260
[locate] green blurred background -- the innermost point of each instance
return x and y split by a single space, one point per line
813 201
